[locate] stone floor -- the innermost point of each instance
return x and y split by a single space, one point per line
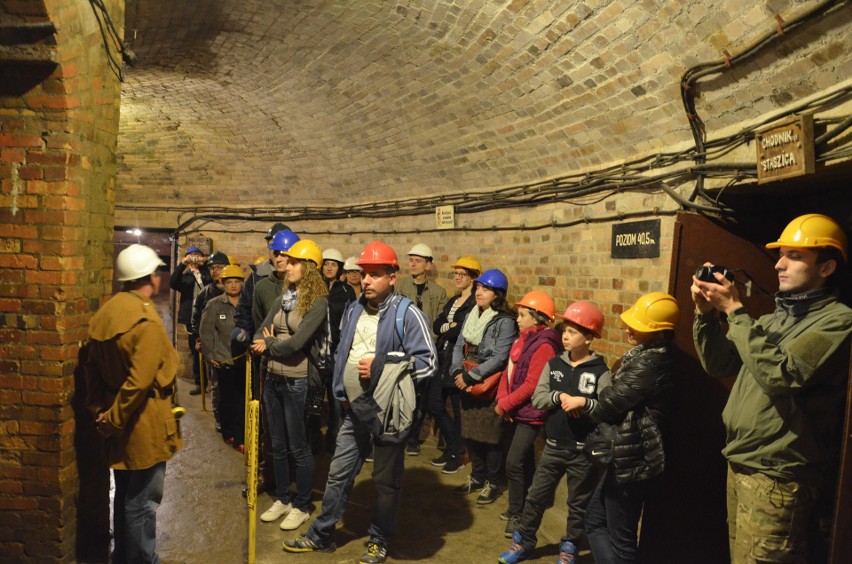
204 517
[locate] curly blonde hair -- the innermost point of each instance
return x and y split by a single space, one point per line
311 287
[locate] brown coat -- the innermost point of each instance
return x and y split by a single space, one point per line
130 368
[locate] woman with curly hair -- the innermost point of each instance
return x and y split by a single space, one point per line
291 336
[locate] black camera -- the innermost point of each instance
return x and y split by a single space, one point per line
705 273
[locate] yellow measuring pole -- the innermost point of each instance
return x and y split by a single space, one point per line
203 379
248 400
253 419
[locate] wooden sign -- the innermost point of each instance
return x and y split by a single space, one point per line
638 239
785 150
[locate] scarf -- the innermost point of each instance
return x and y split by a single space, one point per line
475 324
289 299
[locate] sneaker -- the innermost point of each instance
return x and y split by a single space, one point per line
372 456
516 552
195 391
453 465
412 449
505 515
376 554
304 544
294 519
276 512
469 486
489 494
512 525
567 553
441 460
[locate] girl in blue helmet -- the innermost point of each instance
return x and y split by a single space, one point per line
482 351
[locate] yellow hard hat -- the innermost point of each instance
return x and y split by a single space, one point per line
233 261
260 260
812 230
305 249
652 312
232 271
468 262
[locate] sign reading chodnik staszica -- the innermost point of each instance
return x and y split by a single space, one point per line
638 239
785 149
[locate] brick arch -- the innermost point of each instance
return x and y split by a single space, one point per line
313 101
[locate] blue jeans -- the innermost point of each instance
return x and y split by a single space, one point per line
353 445
284 399
138 494
612 519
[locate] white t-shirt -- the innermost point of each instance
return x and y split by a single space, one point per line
363 345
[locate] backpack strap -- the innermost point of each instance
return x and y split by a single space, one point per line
401 308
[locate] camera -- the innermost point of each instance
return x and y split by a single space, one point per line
705 273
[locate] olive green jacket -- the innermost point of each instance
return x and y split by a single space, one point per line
434 297
783 417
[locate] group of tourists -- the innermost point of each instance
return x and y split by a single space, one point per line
376 352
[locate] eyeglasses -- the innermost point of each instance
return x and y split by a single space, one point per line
455 274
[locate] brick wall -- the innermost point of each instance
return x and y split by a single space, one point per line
57 162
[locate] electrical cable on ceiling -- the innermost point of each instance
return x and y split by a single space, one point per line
690 77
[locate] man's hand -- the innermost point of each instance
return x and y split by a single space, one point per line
364 367
198 345
721 295
258 346
103 426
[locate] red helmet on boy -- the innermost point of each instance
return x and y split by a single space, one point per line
586 315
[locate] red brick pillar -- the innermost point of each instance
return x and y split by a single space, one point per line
58 130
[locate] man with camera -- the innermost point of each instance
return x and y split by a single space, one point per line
784 415
188 278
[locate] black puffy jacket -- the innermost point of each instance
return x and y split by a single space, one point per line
637 402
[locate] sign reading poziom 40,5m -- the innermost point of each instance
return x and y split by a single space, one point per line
786 149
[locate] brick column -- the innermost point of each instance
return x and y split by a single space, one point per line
57 164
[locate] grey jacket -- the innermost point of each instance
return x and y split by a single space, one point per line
494 348
217 322
286 350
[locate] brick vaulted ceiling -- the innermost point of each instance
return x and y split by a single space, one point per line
316 101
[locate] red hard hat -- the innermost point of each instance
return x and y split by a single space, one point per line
378 254
586 315
540 302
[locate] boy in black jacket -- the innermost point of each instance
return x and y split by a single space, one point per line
577 372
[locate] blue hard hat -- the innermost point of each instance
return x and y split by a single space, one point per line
283 240
494 279
193 249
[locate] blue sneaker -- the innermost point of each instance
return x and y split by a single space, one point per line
516 552
567 553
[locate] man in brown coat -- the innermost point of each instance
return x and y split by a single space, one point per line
130 374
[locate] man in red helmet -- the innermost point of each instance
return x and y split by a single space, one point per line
377 330
784 416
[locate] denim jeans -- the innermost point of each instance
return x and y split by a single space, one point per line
520 465
353 445
612 519
582 478
138 494
449 425
284 399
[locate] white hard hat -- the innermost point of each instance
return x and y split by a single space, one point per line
351 264
135 262
421 250
332 254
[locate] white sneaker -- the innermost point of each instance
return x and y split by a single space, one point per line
277 511
294 519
